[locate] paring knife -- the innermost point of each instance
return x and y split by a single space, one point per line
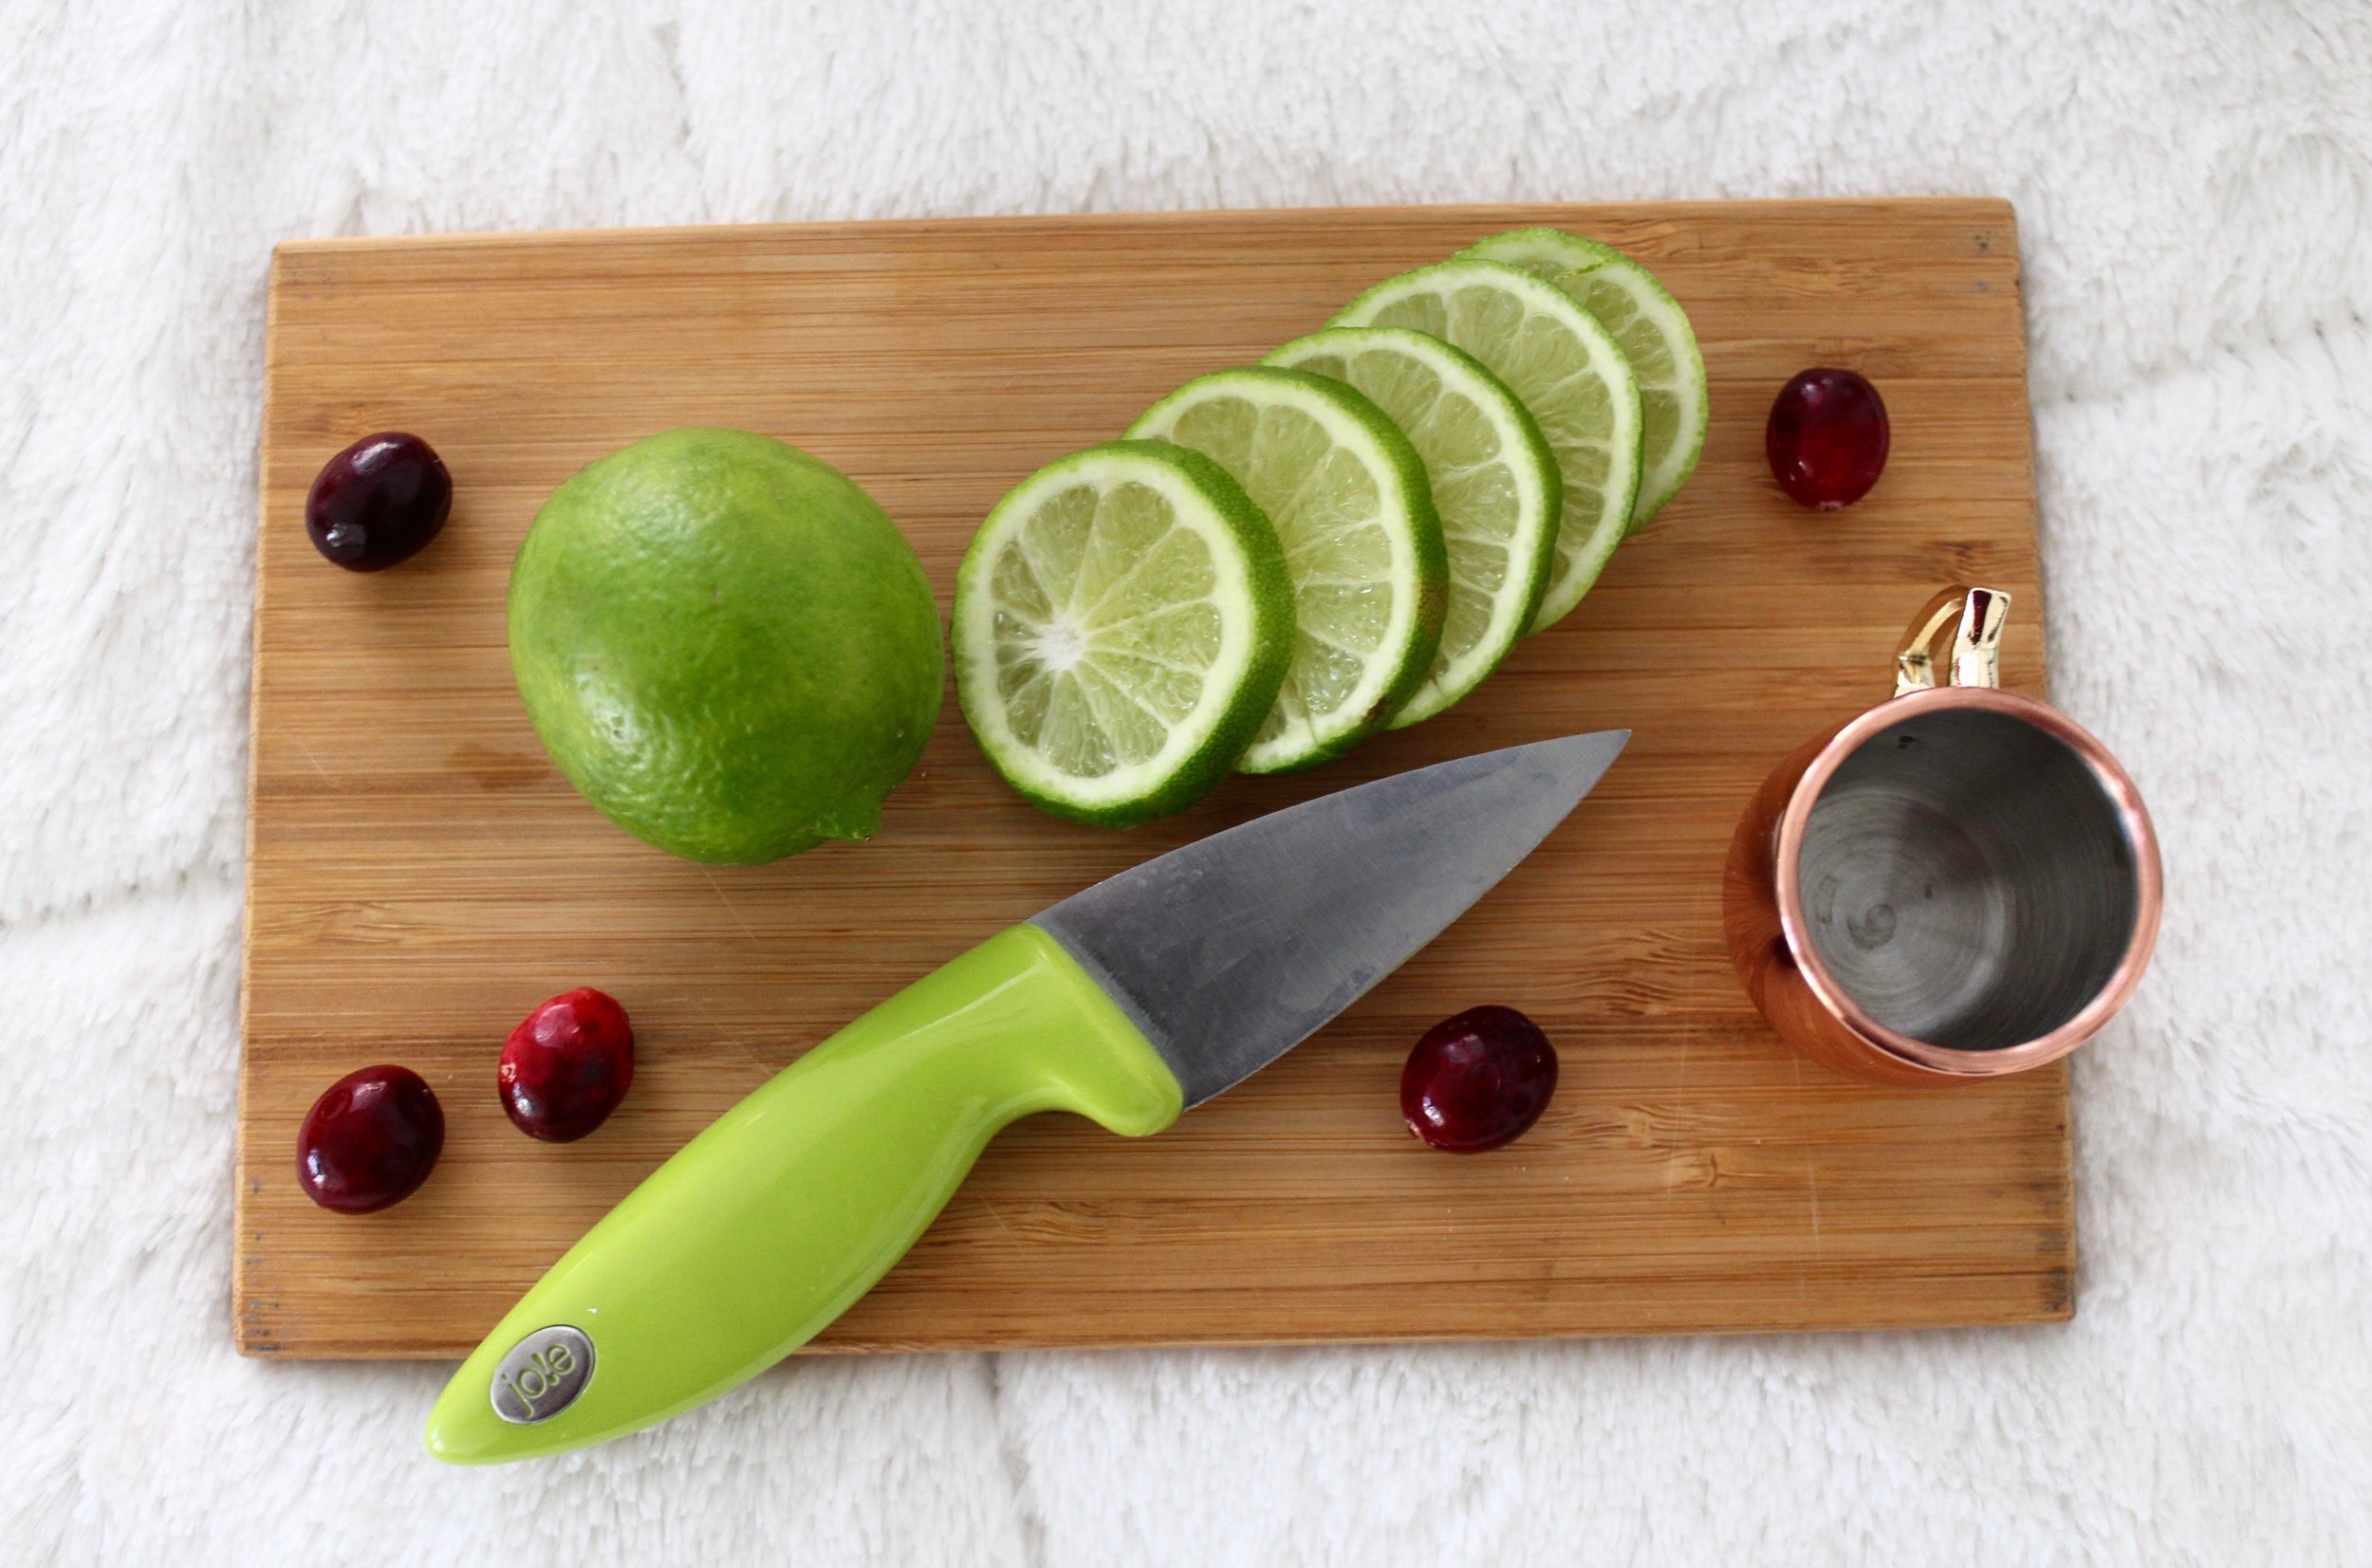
1129 1002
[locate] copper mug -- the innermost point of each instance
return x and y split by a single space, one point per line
1958 883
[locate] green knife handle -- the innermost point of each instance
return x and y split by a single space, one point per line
768 1224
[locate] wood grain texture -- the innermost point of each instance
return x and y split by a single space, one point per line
420 875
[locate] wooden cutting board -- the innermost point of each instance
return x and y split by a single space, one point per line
420 875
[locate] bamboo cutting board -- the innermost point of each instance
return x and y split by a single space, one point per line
420 875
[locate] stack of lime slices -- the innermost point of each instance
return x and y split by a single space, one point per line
1652 331
1494 481
1283 558
1350 505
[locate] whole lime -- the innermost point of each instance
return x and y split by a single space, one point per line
724 645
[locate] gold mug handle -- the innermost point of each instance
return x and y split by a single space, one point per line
1976 639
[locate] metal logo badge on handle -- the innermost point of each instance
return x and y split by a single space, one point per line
542 1375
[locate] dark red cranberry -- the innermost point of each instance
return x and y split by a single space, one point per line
1478 1080
567 1066
1826 440
378 502
370 1141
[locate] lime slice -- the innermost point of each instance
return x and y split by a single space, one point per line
1656 337
1494 482
1349 501
1569 372
1122 621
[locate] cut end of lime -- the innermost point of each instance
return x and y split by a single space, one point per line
1653 333
724 645
1494 482
1353 513
1123 622
1570 375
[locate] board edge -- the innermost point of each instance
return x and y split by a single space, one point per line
1518 212
244 1331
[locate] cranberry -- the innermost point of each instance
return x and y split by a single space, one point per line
1478 1080
378 502
567 1066
1826 440
370 1141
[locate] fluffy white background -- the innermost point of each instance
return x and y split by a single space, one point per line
2194 185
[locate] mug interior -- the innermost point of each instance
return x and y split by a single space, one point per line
1967 880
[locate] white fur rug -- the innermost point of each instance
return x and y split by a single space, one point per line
2194 185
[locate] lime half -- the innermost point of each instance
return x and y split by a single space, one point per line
1569 371
1656 337
1122 621
1351 507
1496 486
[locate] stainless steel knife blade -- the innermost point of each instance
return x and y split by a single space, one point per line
1230 951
